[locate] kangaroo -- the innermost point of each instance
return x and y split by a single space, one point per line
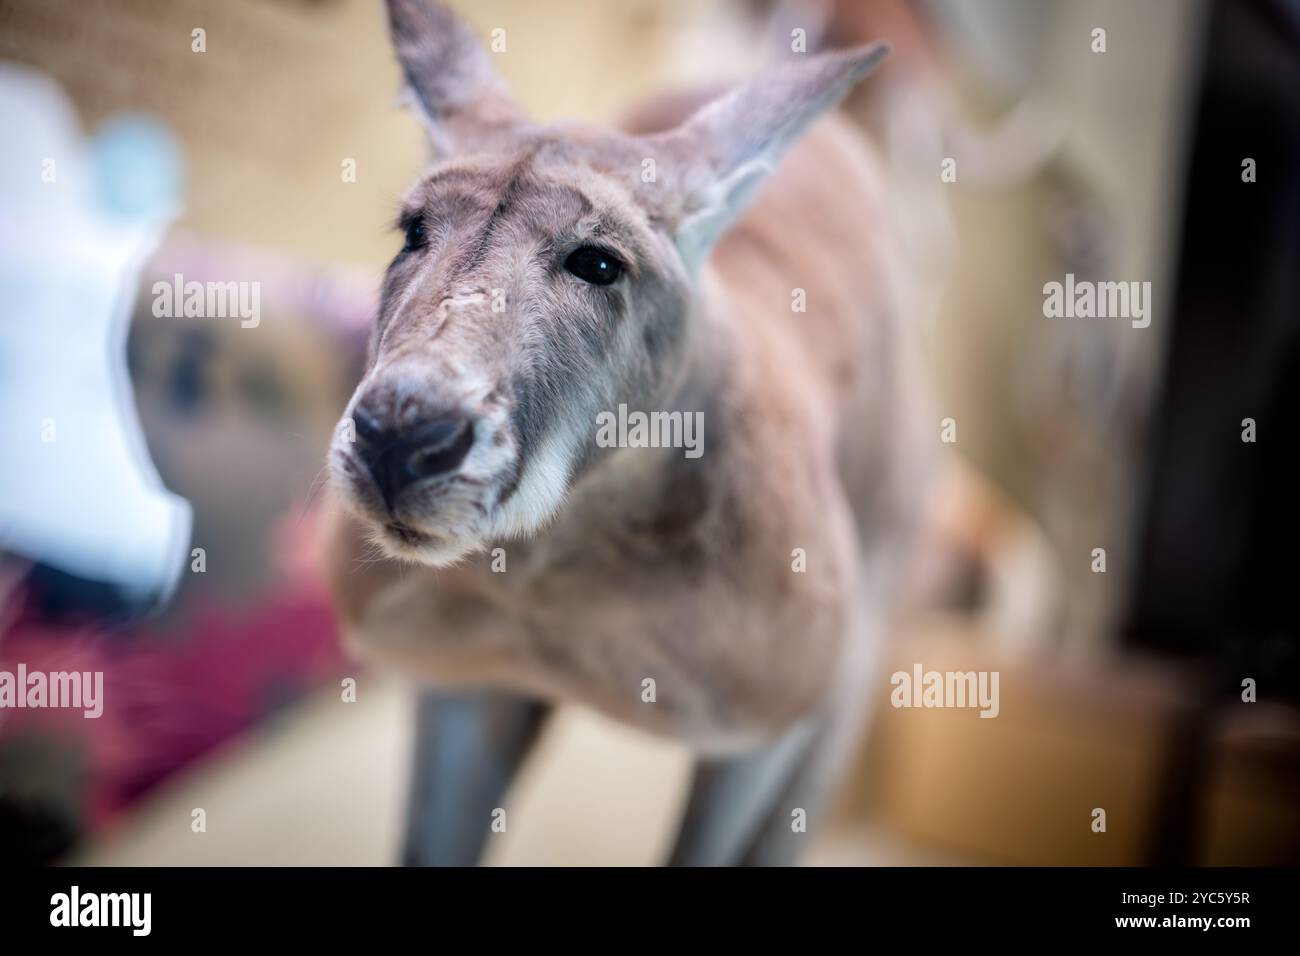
486 542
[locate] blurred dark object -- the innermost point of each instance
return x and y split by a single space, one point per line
1218 518
1220 521
67 598
1249 814
41 778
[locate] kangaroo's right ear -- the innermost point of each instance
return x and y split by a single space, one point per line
464 102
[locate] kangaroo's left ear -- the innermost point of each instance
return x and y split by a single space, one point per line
710 166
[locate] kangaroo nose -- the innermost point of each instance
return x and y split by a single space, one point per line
397 459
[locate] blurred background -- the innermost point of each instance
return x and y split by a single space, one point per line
160 476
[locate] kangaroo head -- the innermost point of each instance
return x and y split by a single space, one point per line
546 275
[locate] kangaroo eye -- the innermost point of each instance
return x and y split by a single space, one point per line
415 237
594 265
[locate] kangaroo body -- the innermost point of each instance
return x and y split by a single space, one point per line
732 600
738 581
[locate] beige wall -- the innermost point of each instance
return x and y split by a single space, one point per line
290 88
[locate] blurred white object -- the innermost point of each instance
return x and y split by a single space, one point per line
78 219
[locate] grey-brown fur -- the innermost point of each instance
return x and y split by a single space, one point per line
627 564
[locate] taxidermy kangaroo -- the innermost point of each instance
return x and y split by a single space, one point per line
488 542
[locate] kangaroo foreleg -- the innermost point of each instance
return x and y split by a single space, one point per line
731 798
467 749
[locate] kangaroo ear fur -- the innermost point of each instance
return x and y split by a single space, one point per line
718 157
461 98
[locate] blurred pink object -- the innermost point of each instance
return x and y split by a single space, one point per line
172 694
